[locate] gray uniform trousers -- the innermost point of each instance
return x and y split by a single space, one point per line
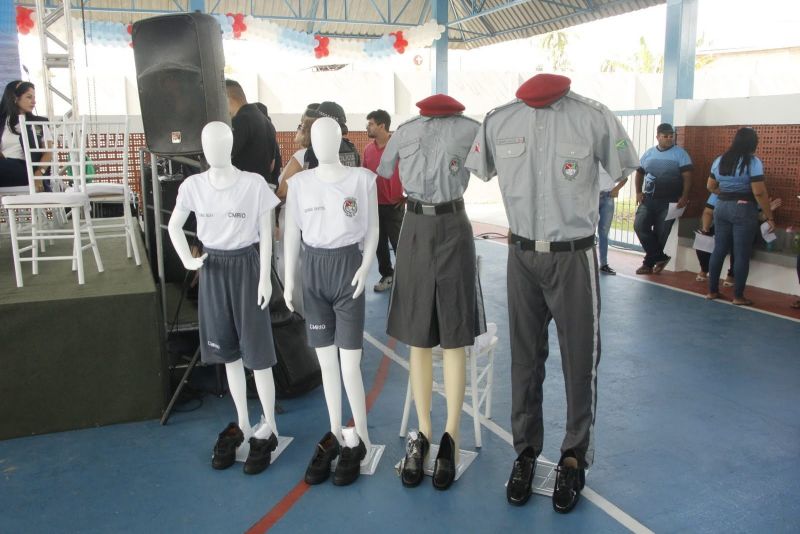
561 286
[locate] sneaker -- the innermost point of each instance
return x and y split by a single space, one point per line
225 448
644 269
383 284
659 265
518 490
412 471
319 469
260 454
349 466
569 483
607 270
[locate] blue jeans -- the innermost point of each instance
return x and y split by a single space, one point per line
736 224
604 224
651 228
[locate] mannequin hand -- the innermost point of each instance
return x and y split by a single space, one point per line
194 263
287 295
359 280
264 293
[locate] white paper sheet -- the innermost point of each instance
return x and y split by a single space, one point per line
768 236
703 242
674 211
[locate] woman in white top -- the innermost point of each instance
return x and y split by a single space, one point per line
19 98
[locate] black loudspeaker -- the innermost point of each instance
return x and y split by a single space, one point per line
180 73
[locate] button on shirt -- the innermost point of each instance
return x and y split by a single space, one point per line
431 153
741 179
547 159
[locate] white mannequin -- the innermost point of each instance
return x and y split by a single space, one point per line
326 137
217 140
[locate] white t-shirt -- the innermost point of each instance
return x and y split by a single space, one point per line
10 144
332 215
299 156
227 219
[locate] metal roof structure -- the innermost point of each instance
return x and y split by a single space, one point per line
471 23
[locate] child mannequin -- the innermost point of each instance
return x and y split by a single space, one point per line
234 216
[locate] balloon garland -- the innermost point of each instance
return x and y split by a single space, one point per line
238 26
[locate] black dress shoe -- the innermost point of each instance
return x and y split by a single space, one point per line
319 469
225 448
569 483
260 454
349 466
444 470
518 490
413 464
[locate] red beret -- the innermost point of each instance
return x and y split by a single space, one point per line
543 89
439 106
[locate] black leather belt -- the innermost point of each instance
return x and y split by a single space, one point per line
421 208
551 246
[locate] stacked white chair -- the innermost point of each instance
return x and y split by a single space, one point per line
66 150
480 366
107 154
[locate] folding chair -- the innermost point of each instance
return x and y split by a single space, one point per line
107 153
64 143
480 368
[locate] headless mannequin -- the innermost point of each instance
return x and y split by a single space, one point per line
217 140
326 138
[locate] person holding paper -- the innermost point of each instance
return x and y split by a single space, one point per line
737 177
664 176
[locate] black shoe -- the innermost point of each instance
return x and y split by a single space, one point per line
569 483
225 448
260 454
518 490
444 470
607 270
349 466
413 464
660 264
319 469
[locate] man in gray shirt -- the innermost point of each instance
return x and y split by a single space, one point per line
545 147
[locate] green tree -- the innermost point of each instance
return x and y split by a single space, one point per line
555 43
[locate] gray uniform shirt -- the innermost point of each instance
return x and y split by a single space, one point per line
546 161
431 151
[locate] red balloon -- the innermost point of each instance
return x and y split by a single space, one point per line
130 29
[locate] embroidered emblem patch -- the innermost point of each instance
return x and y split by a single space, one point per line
455 165
477 148
350 206
570 169
621 144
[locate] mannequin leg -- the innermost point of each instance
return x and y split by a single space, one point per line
238 389
354 386
265 384
332 384
421 370
455 379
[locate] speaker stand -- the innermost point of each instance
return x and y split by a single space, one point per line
183 382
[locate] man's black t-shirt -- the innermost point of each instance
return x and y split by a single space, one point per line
254 142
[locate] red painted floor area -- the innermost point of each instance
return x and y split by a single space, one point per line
626 262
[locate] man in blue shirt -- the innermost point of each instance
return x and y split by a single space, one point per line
664 176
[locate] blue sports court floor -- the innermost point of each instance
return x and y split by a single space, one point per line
698 430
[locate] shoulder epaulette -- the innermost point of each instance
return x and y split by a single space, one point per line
409 121
503 106
580 98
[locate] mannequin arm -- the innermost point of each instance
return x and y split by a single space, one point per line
291 251
265 226
178 238
370 245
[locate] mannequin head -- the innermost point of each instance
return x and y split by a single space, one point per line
326 137
217 139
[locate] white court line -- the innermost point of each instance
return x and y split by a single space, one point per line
595 498
679 290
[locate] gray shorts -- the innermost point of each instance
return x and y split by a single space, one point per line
232 324
333 316
436 294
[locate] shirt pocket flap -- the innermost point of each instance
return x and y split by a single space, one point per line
409 149
572 151
509 150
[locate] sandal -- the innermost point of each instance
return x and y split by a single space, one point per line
701 277
712 296
742 302
795 305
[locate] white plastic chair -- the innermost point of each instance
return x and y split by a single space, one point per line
67 146
107 145
480 367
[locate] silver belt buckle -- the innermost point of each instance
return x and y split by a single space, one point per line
428 209
541 246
